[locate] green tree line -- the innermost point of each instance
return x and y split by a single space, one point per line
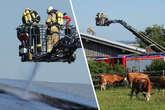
102 67
157 65
156 33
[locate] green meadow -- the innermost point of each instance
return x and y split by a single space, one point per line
119 99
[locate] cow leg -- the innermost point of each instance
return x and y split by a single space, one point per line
105 86
102 86
132 91
113 85
159 91
137 94
131 84
127 83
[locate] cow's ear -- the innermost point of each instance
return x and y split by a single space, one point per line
152 94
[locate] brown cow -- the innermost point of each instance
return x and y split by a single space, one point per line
142 85
109 79
162 83
131 76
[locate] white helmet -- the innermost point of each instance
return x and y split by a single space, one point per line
50 8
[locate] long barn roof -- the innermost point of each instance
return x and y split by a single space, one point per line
112 43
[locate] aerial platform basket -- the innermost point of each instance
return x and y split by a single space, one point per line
34 44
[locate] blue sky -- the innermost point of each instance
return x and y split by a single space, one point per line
10 63
138 13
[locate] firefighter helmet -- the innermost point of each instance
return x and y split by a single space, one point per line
50 8
65 14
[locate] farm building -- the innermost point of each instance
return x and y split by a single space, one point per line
100 47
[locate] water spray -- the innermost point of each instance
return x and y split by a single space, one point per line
30 79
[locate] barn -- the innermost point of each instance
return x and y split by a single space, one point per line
99 47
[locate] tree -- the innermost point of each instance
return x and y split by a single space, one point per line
102 67
118 68
156 33
97 67
156 65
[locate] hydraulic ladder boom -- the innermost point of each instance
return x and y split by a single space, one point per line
149 42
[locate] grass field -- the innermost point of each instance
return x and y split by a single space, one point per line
119 99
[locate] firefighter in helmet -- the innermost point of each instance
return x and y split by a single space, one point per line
30 17
98 19
53 29
103 17
66 17
31 21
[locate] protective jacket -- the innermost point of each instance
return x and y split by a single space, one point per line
103 15
30 17
53 30
98 15
52 23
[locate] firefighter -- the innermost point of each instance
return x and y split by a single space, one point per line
67 30
103 16
31 21
66 17
98 19
98 15
26 18
53 28
30 17
36 40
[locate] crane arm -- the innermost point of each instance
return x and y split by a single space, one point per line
156 47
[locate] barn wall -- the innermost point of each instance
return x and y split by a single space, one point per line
94 49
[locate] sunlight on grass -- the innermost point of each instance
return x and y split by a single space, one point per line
119 99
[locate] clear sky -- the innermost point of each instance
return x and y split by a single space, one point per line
138 13
10 63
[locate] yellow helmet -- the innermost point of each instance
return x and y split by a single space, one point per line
27 10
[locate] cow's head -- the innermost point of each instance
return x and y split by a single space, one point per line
125 81
147 95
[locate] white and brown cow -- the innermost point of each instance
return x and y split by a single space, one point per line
109 79
142 85
131 76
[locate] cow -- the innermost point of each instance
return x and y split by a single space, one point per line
130 77
109 79
141 85
162 83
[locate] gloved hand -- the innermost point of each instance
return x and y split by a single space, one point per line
44 25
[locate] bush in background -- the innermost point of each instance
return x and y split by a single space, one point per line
102 67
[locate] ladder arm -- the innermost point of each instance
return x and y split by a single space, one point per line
140 35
